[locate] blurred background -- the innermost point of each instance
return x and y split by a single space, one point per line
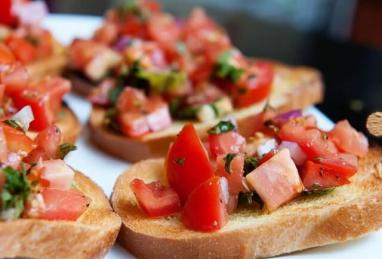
341 38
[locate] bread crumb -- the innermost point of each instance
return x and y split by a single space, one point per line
378 169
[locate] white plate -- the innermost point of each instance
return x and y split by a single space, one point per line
104 169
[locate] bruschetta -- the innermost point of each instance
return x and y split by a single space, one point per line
33 46
155 73
47 209
44 96
291 187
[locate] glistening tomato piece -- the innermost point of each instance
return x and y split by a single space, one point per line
187 163
163 29
348 139
49 140
343 164
16 140
205 209
224 143
6 56
63 204
155 199
257 85
6 16
315 176
313 141
24 51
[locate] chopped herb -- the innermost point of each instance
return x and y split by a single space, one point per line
180 160
187 113
174 106
222 127
14 124
14 194
224 70
227 162
65 149
250 163
249 198
114 94
317 190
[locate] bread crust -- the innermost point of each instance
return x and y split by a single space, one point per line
293 88
50 66
91 236
347 213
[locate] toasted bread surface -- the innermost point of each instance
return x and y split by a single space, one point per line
91 236
346 213
292 88
50 66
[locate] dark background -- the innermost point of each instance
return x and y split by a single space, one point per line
341 38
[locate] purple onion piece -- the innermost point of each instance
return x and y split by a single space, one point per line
121 44
284 117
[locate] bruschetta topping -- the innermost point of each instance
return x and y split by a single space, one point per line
296 157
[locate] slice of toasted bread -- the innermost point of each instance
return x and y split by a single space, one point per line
91 236
348 212
51 66
292 88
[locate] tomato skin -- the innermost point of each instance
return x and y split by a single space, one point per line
187 164
15 78
16 140
130 100
344 165
6 16
267 156
315 176
348 139
24 51
63 204
235 176
204 209
224 143
162 28
49 140
313 141
155 199
6 56
257 85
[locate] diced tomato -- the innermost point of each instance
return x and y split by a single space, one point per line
343 164
204 209
224 143
45 100
257 123
3 146
314 142
348 139
276 181
235 174
36 155
63 204
49 141
6 16
24 51
187 163
133 26
316 176
100 94
257 85
6 56
162 28
131 100
155 199
15 78
56 174
16 140
107 33
133 124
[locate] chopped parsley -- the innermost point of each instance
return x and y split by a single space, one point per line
222 127
224 70
180 161
250 163
317 190
227 162
14 193
65 149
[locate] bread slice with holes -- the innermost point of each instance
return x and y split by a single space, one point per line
346 213
91 236
293 88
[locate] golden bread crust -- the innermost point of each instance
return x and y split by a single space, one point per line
348 212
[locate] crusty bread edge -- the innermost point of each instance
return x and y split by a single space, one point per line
309 91
91 236
294 231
